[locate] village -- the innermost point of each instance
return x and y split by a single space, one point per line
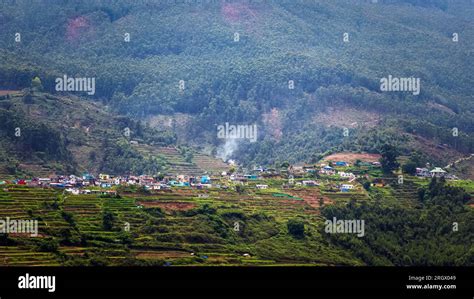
340 176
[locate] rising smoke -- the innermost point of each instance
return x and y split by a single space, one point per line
226 150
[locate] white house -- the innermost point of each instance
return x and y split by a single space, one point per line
73 191
346 175
423 172
327 170
262 186
44 181
104 176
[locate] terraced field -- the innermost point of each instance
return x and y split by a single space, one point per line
186 226
38 170
23 203
23 256
178 227
210 164
176 163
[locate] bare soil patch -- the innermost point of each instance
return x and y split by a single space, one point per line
347 118
161 254
168 206
352 157
5 92
311 197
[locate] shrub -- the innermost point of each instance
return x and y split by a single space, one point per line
233 214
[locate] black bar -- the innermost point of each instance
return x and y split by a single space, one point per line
221 282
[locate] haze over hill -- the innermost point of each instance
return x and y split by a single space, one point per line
307 73
44 134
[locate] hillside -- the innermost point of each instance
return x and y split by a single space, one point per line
232 61
43 134
406 224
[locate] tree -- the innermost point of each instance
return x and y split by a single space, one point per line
189 157
239 189
409 167
36 84
296 228
68 217
108 219
65 234
366 185
389 158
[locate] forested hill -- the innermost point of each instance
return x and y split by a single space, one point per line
193 65
41 134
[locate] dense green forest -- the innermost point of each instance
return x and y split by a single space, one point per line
231 61
437 231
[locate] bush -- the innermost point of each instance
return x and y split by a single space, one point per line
233 214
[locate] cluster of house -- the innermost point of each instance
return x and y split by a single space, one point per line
329 170
325 169
83 184
302 170
89 184
436 172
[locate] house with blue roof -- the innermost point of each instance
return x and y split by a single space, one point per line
205 179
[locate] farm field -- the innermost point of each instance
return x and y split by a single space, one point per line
177 164
187 226
180 227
